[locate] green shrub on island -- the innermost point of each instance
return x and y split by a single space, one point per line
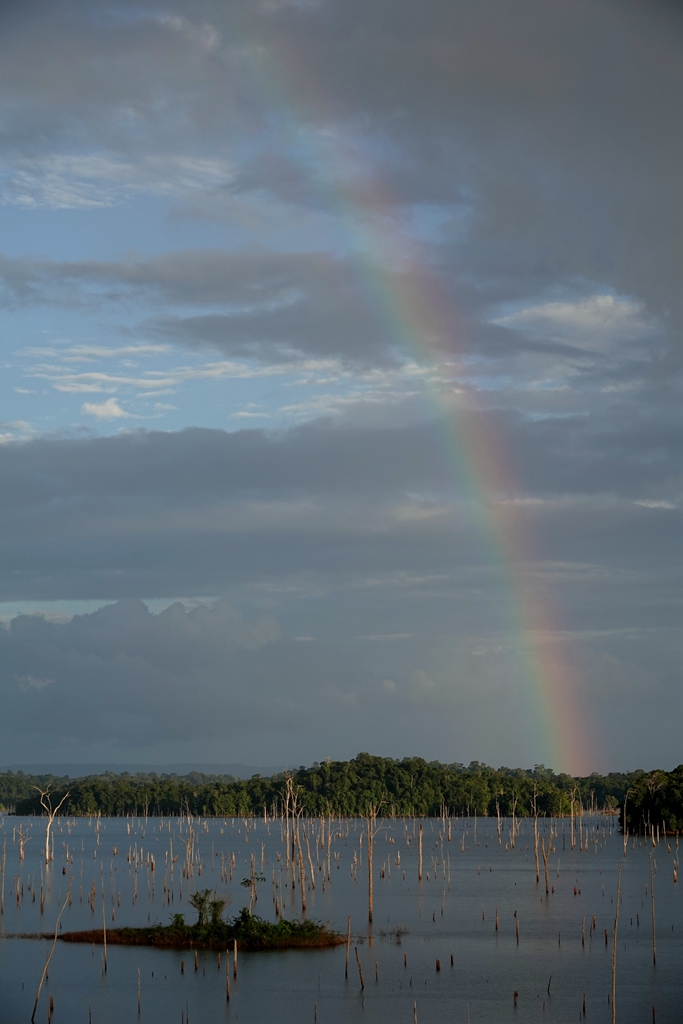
210 931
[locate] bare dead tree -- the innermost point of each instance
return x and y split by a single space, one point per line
4 867
23 839
52 949
654 927
572 793
625 825
372 828
534 808
614 949
302 869
46 804
545 863
288 792
311 869
514 823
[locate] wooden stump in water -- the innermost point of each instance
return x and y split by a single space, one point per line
360 969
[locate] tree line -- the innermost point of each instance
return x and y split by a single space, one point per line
411 786
654 801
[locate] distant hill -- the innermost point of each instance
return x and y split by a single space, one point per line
411 786
80 771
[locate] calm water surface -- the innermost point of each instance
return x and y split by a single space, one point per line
451 912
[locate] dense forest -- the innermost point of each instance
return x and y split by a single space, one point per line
655 801
411 786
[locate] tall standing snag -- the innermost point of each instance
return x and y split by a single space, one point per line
614 950
370 819
46 804
360 969
534 808
49 955
654 927
545 853
348 946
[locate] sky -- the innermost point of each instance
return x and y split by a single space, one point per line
340 391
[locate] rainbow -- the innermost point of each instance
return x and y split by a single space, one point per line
418 313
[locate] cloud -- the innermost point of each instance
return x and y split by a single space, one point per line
595 322
455 106
17 430
116 683
272 305
88 353
87 181
109 410
453 233
31 683
153 382
196 511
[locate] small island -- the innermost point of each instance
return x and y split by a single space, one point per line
210 931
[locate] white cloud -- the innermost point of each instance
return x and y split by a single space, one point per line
99 380
67 181
595 322
87 353
33 683
109 410
16 430
204 36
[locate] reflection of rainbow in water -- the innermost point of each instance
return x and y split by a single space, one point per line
423 322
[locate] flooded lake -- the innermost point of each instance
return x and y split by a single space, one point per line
550 950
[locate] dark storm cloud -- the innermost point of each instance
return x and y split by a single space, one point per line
124 672
193 511
128 677
187 682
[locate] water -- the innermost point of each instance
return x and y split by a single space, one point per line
451 912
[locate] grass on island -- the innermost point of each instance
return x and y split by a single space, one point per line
211 932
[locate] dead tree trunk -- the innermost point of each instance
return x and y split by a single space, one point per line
370 823
654 927
46 804
614 950
302 870
534 807
49 955
572 840
545 863
370 819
